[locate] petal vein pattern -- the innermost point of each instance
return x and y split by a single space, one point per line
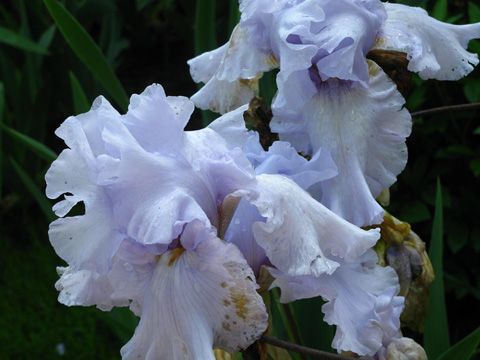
205 297
300 233
149 189
364 129
362 301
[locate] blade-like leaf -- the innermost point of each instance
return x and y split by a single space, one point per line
140 4
204 37
88 52
436 338
463 349
234 15
440 10
34 191
80 101
11 38
2 109
32 144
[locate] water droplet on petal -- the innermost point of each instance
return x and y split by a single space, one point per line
237 221
128 267
122 285
197 287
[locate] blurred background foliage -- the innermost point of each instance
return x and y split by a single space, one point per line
43 81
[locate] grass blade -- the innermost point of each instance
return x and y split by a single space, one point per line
80 101
34 191
21 42
234 15
87 51
463 349
436 338
440 10
205 38
2 111
37 147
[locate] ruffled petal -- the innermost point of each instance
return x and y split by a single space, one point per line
240 233
89 241
281 158
231 127
334 35
434 49
85 288
300 232
362 302
364 129
196 300
184 181
234 81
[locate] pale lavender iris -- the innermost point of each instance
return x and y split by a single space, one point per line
329 96
148 239
158 202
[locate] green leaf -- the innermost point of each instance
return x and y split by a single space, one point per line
34 191
477 131
234 15
436 338
205 38
475 166
87 51
32 144
140 4
2 111
463 349
457 236
472 90
473 12
80 101
416 211
440 10
19 41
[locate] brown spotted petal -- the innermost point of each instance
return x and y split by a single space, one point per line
198 299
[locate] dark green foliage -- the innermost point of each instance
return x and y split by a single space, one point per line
43 81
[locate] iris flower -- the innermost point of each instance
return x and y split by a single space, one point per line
156 236
329 95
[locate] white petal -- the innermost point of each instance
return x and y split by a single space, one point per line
240 233
235 80
435 49
89 241
282 158
361 302
204 66
364 129
196 300
85 288
157 121
155 193
223 96
232 127
300 232
334 35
